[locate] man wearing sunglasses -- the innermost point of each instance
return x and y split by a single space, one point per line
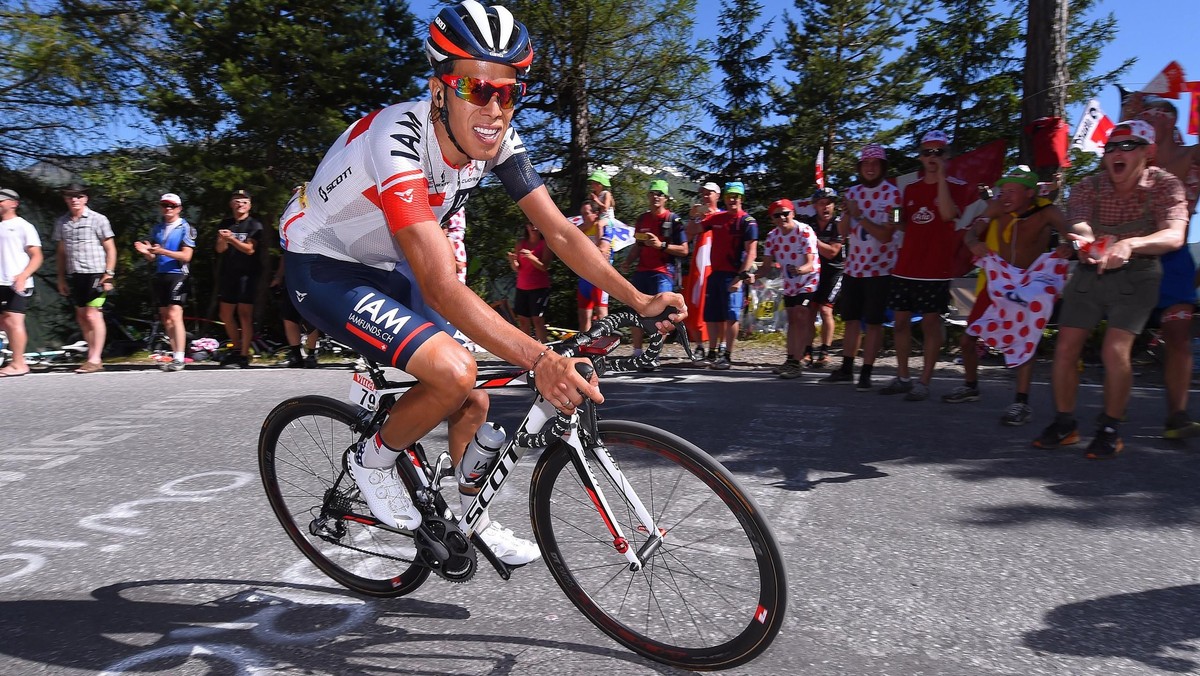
660 237
170 245
921 277
367 261
1122 219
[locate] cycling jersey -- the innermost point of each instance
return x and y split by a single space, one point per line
384 173
172 237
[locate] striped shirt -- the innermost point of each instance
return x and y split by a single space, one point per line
83 241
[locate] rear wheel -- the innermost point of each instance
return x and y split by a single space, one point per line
301 457
713 596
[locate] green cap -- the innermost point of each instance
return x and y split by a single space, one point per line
735 188
601 178
1021 175
659 185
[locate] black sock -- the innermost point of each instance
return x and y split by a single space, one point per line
1064 421
865 371
847 364
790 357
973 384
1107 421
808 351
1022 397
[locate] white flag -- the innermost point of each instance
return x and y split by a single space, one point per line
821 168
1092 130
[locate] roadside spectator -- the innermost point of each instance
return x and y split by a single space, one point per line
531 259
870 236
734 250
1123 218
238 238
833 261
293 325
591 300
86 260
659 238
20 257
170 248
921 278
793 245
601 195
1177 293
1016 226
700 264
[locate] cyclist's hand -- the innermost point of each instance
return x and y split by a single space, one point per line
559 384
659 304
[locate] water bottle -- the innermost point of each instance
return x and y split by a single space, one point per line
480 454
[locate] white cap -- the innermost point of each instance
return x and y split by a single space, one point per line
711 186
172 198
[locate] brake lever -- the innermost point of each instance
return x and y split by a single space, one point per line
648 325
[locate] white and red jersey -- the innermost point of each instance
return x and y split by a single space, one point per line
1022 301
791 250
869 257
384 173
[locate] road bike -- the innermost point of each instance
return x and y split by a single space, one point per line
653 540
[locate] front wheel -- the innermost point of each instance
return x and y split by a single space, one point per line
301 456
713 596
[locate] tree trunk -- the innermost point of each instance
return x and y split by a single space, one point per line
1045 86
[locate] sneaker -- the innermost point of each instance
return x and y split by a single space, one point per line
1017 414
1106 444
242 362
721 363
1179 426
310 362
293 361
961 394
790 371
649 368
508 547
171 366
864 384
90 367
897 386
839 376
919 392
1052 437
706 359
385 494
787 363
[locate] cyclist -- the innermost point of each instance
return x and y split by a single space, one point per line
368 262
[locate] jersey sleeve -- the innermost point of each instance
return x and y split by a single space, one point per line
514 169
678 230
256 230
401 187
189 236
750 232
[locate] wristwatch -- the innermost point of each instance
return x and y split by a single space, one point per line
664 246
111 273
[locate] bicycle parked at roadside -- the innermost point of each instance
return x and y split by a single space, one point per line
651 538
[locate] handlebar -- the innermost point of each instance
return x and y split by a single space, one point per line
620 320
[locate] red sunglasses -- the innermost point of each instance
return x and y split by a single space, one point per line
479 92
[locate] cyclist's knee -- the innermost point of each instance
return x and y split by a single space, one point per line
453 372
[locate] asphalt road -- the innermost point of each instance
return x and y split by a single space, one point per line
921 538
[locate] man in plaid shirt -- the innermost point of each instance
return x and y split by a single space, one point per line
86 260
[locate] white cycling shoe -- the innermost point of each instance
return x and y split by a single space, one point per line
508 547
385 494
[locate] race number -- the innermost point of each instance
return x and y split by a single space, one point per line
362 392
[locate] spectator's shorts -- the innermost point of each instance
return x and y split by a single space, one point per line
798 300
864 298
238 288
169 288
1178 285
1125 296
85 288
652 283
721 304
590 296
828 287
11 301
531 302
919 296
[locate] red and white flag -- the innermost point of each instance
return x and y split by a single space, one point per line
1169 83
1193 127
1092 130
821 168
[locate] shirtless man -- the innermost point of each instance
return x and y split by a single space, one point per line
1016 226
1177 295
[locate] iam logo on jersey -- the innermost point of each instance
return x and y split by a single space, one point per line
923 216
405 195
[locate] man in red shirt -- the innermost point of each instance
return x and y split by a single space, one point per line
921 278
660 238
734 249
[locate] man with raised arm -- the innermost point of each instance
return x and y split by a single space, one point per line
369 264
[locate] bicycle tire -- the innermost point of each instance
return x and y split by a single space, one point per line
689 493
301 452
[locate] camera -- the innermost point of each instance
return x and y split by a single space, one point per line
895 215
986 193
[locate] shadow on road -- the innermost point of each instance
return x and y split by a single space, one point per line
1142 626
240 626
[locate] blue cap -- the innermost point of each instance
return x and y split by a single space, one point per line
735 188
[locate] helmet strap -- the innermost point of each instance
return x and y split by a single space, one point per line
444 116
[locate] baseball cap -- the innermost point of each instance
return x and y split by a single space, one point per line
659 185
172 198
9 194
936 137
239 194
1022 175
710 186
601 178
781 205
872 151
1132 130
824 194
735 188
74 189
